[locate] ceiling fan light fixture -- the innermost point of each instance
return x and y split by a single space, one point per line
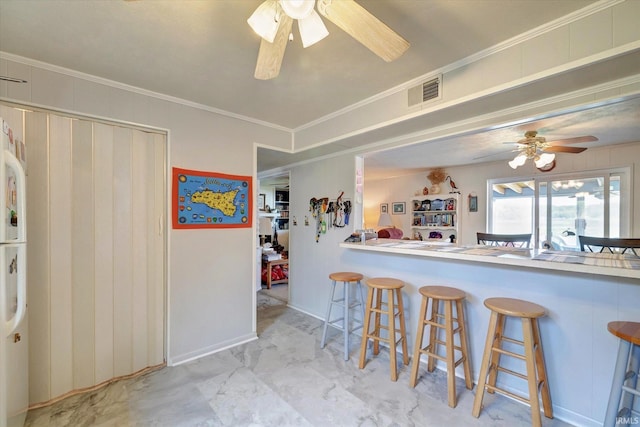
544 159
518 161
264 20
312 29
298 9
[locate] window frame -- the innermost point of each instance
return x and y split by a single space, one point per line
626 197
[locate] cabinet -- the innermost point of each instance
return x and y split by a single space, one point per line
282 206
435 217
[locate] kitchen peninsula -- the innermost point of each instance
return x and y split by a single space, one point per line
580 262
581 293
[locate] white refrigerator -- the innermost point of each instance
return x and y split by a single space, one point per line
14 351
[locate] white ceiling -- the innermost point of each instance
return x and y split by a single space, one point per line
203 51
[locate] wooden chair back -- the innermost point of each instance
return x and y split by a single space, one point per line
609 245
514 240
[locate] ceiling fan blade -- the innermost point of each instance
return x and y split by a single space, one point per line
364 27
561 149
271 54
576 140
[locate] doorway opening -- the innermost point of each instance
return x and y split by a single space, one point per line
273 231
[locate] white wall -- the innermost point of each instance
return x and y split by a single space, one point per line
210 292
312 262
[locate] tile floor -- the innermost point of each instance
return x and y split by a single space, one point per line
281 379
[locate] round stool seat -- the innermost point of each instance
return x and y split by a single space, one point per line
385 283
515 307
624 390
442 293
628 331
345 276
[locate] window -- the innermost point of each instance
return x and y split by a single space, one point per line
556 209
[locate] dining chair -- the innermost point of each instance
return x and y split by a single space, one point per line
609 245
514 240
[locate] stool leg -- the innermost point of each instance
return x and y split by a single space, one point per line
451 366
365 329
527 332
391 321
415 363
376 329
463 344
359 294
327 317
433 335
345 322
631 381
495 356
484 367
403 330
542 371
360 298
618 380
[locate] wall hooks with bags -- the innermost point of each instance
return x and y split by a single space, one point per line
329 213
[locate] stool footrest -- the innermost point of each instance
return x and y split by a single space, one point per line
429 351
507 393
441 358
512 340
631 390
442 325
510 372
382 311
333 323
508 353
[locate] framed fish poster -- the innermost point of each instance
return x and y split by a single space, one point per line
211 200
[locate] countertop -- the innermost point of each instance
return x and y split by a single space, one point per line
614 265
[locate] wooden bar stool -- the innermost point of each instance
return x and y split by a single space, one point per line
343 323
536 375
393 309
447 296
625 376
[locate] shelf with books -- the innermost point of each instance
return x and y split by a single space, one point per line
435 217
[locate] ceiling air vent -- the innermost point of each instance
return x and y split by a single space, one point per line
424 92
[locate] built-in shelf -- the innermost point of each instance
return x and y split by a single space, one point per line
435 217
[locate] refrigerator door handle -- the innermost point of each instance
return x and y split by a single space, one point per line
12 324
13 163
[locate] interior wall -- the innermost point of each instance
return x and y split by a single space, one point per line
472 179
311 261
206 283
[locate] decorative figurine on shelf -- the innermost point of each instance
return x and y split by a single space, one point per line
454 187
425 191
437 177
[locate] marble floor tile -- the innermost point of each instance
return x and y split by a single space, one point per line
283 379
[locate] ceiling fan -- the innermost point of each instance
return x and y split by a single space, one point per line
273 20
541 151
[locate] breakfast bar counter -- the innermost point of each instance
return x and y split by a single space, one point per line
581 292
614 265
